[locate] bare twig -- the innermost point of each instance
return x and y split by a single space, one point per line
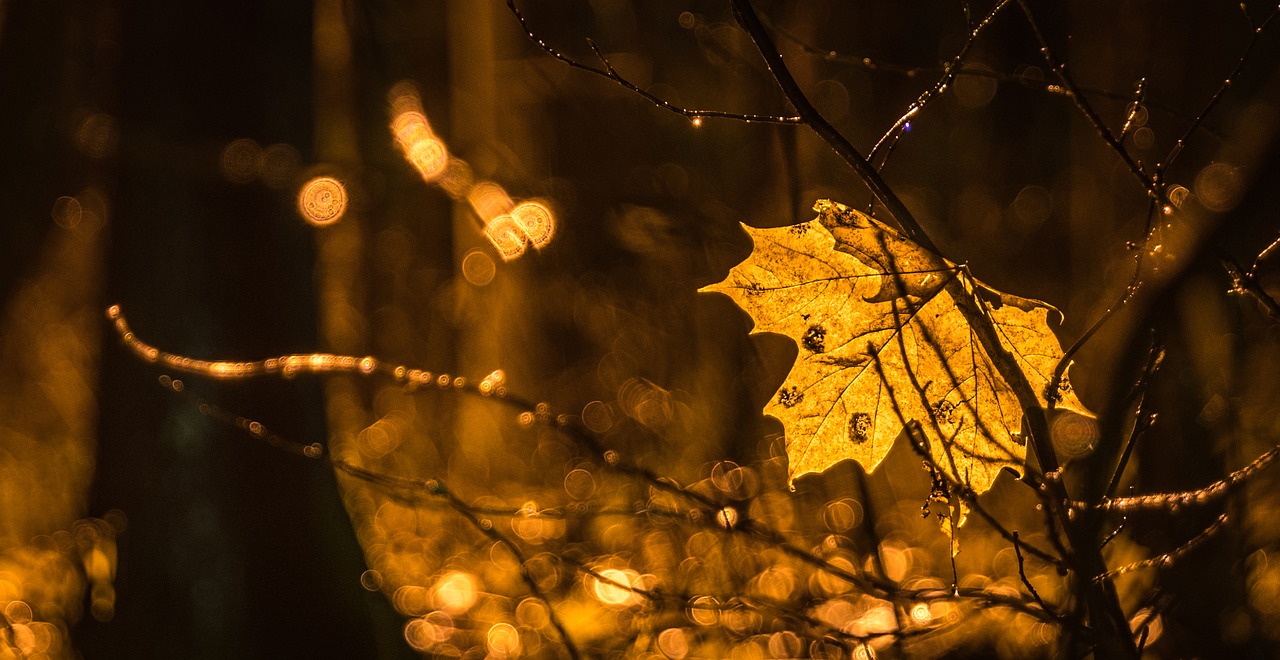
1022 573
1199 497
611 73
1227 82
747 18
1167 559
1082 103
949 73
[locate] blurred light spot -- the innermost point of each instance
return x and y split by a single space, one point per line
974 91
785 644
704 611
489 201
458 179
687 20
371 580
278 165
409 599
579 484
455 592
842 515
18 611
23 638
1073 434
832 99
1032 206
506 236
1144 137
1218 187
608 590
673 642
322 201
597 416
727 517
429 156
503 640
645 402
97 135
537 221
240 159
920 614
778 582
897 560
478 268
697 122
1153 623
66 212
533 613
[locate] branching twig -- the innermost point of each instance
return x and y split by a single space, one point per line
1082 103
1169 558
1199 497
949 73
1022 573
747 18
612 74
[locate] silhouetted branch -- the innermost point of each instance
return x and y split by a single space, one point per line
611 73
1199 497
1167 559
747 18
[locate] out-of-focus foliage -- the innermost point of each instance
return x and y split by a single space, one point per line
50 332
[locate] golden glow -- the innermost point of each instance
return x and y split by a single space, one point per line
322 201
506 236
503 640
455 592
920 614
674 643
612 590
537 222
240 160
478 268
489 201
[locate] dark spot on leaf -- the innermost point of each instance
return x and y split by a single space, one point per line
847 362
944 412
859 428
789 397
814 339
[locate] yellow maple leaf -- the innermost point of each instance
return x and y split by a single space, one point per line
881 341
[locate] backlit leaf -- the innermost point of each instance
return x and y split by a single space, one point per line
881 340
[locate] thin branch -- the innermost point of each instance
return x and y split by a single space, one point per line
1168 559
494 386
1199 497
949 73
492 532
1246 283
1227 82
1022 573
611 73
1082 103
746 17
